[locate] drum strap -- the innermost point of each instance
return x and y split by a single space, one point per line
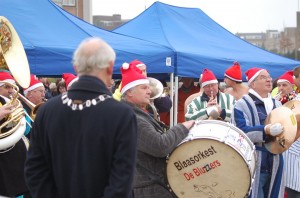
160 180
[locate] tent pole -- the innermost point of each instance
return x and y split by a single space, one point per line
172 99
176 100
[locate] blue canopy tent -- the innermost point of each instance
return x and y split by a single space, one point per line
199 42
50 35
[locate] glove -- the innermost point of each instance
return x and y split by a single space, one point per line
274 129
212 112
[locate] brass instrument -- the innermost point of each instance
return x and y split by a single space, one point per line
278 96
14 59
212 111
32 106
157 89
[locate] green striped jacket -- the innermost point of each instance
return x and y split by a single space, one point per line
197 108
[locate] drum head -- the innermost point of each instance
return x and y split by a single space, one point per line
207 168
283 141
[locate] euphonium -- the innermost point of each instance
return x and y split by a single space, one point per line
14 59
156 88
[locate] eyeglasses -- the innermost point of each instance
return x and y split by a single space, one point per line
263 77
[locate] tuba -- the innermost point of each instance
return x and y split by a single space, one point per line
157 89
14 59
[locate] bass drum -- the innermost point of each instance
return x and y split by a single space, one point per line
216 159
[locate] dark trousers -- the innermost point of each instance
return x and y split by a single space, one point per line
292 193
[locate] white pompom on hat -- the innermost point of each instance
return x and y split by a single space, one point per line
131 76
208 77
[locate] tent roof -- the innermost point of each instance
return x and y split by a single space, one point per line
50 35
200 42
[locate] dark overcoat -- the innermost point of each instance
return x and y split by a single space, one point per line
82 153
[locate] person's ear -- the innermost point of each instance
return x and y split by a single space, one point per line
110 68
75 69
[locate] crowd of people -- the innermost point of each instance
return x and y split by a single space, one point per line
96 137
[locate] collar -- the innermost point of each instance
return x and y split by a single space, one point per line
90 84
206 98
257 95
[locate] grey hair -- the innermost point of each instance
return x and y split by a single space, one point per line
93 54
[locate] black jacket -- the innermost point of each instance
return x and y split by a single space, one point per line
83 153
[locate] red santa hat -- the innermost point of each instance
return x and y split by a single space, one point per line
252 73
131 76
286 77
69 79
6 77
137 63
34 83
208 77
234 72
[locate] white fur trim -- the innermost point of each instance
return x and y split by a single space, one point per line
133 84
71 83
234 79
283 80
209 82
33 87
255 75
11 81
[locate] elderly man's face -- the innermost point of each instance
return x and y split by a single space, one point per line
211 90
262 84
140 95
37 95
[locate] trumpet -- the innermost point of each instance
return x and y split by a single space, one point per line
213 111
278 96
32 106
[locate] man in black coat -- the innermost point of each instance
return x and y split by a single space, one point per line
83 143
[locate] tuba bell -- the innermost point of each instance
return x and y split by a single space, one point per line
156 88
13 58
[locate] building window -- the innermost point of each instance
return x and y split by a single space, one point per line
69 2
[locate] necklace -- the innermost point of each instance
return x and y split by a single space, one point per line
79 105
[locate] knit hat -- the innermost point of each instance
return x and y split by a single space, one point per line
208 77
234 72
131 76
252 73
137 63
34 83
69 79
6 77
287 76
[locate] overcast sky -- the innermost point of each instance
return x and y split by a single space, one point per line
234 15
